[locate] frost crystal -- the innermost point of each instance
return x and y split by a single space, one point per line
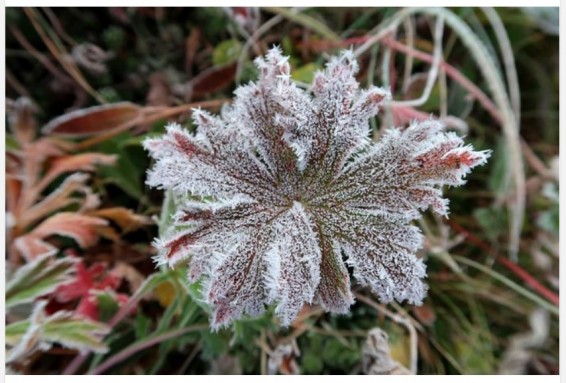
293 184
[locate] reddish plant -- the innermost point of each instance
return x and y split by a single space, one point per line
88 282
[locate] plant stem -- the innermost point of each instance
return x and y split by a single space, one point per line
129 351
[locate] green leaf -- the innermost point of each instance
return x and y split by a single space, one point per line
107 305
15 331
287 45
306 72
337 355
168 209
74 332
306 21
129 170
213 345
226 52
66 328
499 180
37 278
549 220
493 221
311 363
142 326
11 142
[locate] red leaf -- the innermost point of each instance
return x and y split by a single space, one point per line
84 287
213 79
94 120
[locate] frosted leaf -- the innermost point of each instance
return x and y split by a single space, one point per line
287 189
299 257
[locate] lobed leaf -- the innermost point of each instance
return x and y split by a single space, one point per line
289 183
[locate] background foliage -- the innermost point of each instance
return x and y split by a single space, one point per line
80 219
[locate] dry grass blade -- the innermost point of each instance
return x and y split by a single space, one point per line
57 49
306 21
508 60
497 88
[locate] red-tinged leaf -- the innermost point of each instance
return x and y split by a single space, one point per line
213 79
78 162
84 162
94 120
57 200
79 227
33 157
44 148
83 229
32 247
13 190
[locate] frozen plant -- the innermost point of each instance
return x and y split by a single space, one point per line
283 185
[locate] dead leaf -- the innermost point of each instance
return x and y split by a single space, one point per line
94 120
521 349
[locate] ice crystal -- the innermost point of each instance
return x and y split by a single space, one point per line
289 184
